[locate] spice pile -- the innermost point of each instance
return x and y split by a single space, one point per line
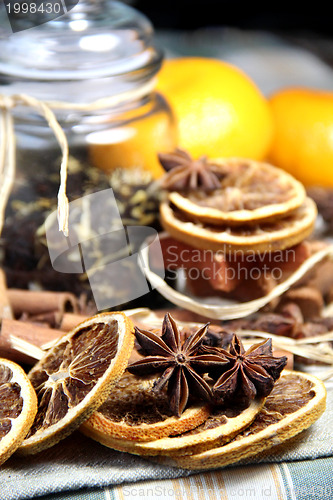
199 399
200 396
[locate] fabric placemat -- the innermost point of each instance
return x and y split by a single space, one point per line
305 480
79 462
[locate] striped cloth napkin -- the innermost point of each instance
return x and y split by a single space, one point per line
297 470
305 480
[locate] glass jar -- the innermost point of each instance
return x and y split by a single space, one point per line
100 62
95 67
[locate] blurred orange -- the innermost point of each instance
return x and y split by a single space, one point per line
219 109
303 141
135 140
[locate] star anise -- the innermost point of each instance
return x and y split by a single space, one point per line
216 336
181 364
248 373
186 174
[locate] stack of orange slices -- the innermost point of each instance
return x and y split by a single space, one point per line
203 438
128 421
137 418
256 207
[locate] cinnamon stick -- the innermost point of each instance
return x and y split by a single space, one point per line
37 302
36 335
70 321
50 319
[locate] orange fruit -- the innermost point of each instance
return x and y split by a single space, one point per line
219 109
303 140
133 141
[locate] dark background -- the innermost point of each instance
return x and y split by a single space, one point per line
308 26
189 15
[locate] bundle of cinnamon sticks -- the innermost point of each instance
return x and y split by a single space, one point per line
36 317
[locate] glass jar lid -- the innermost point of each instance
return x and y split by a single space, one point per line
97 38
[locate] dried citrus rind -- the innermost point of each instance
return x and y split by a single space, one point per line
270 236
221 426
18 407
297 401
75 376
251 192
133 411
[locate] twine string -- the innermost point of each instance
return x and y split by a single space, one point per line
7 155
8 159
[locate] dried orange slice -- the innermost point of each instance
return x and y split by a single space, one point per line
251 192
75 376
267 236
132 411
297 400
18 407
219 427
